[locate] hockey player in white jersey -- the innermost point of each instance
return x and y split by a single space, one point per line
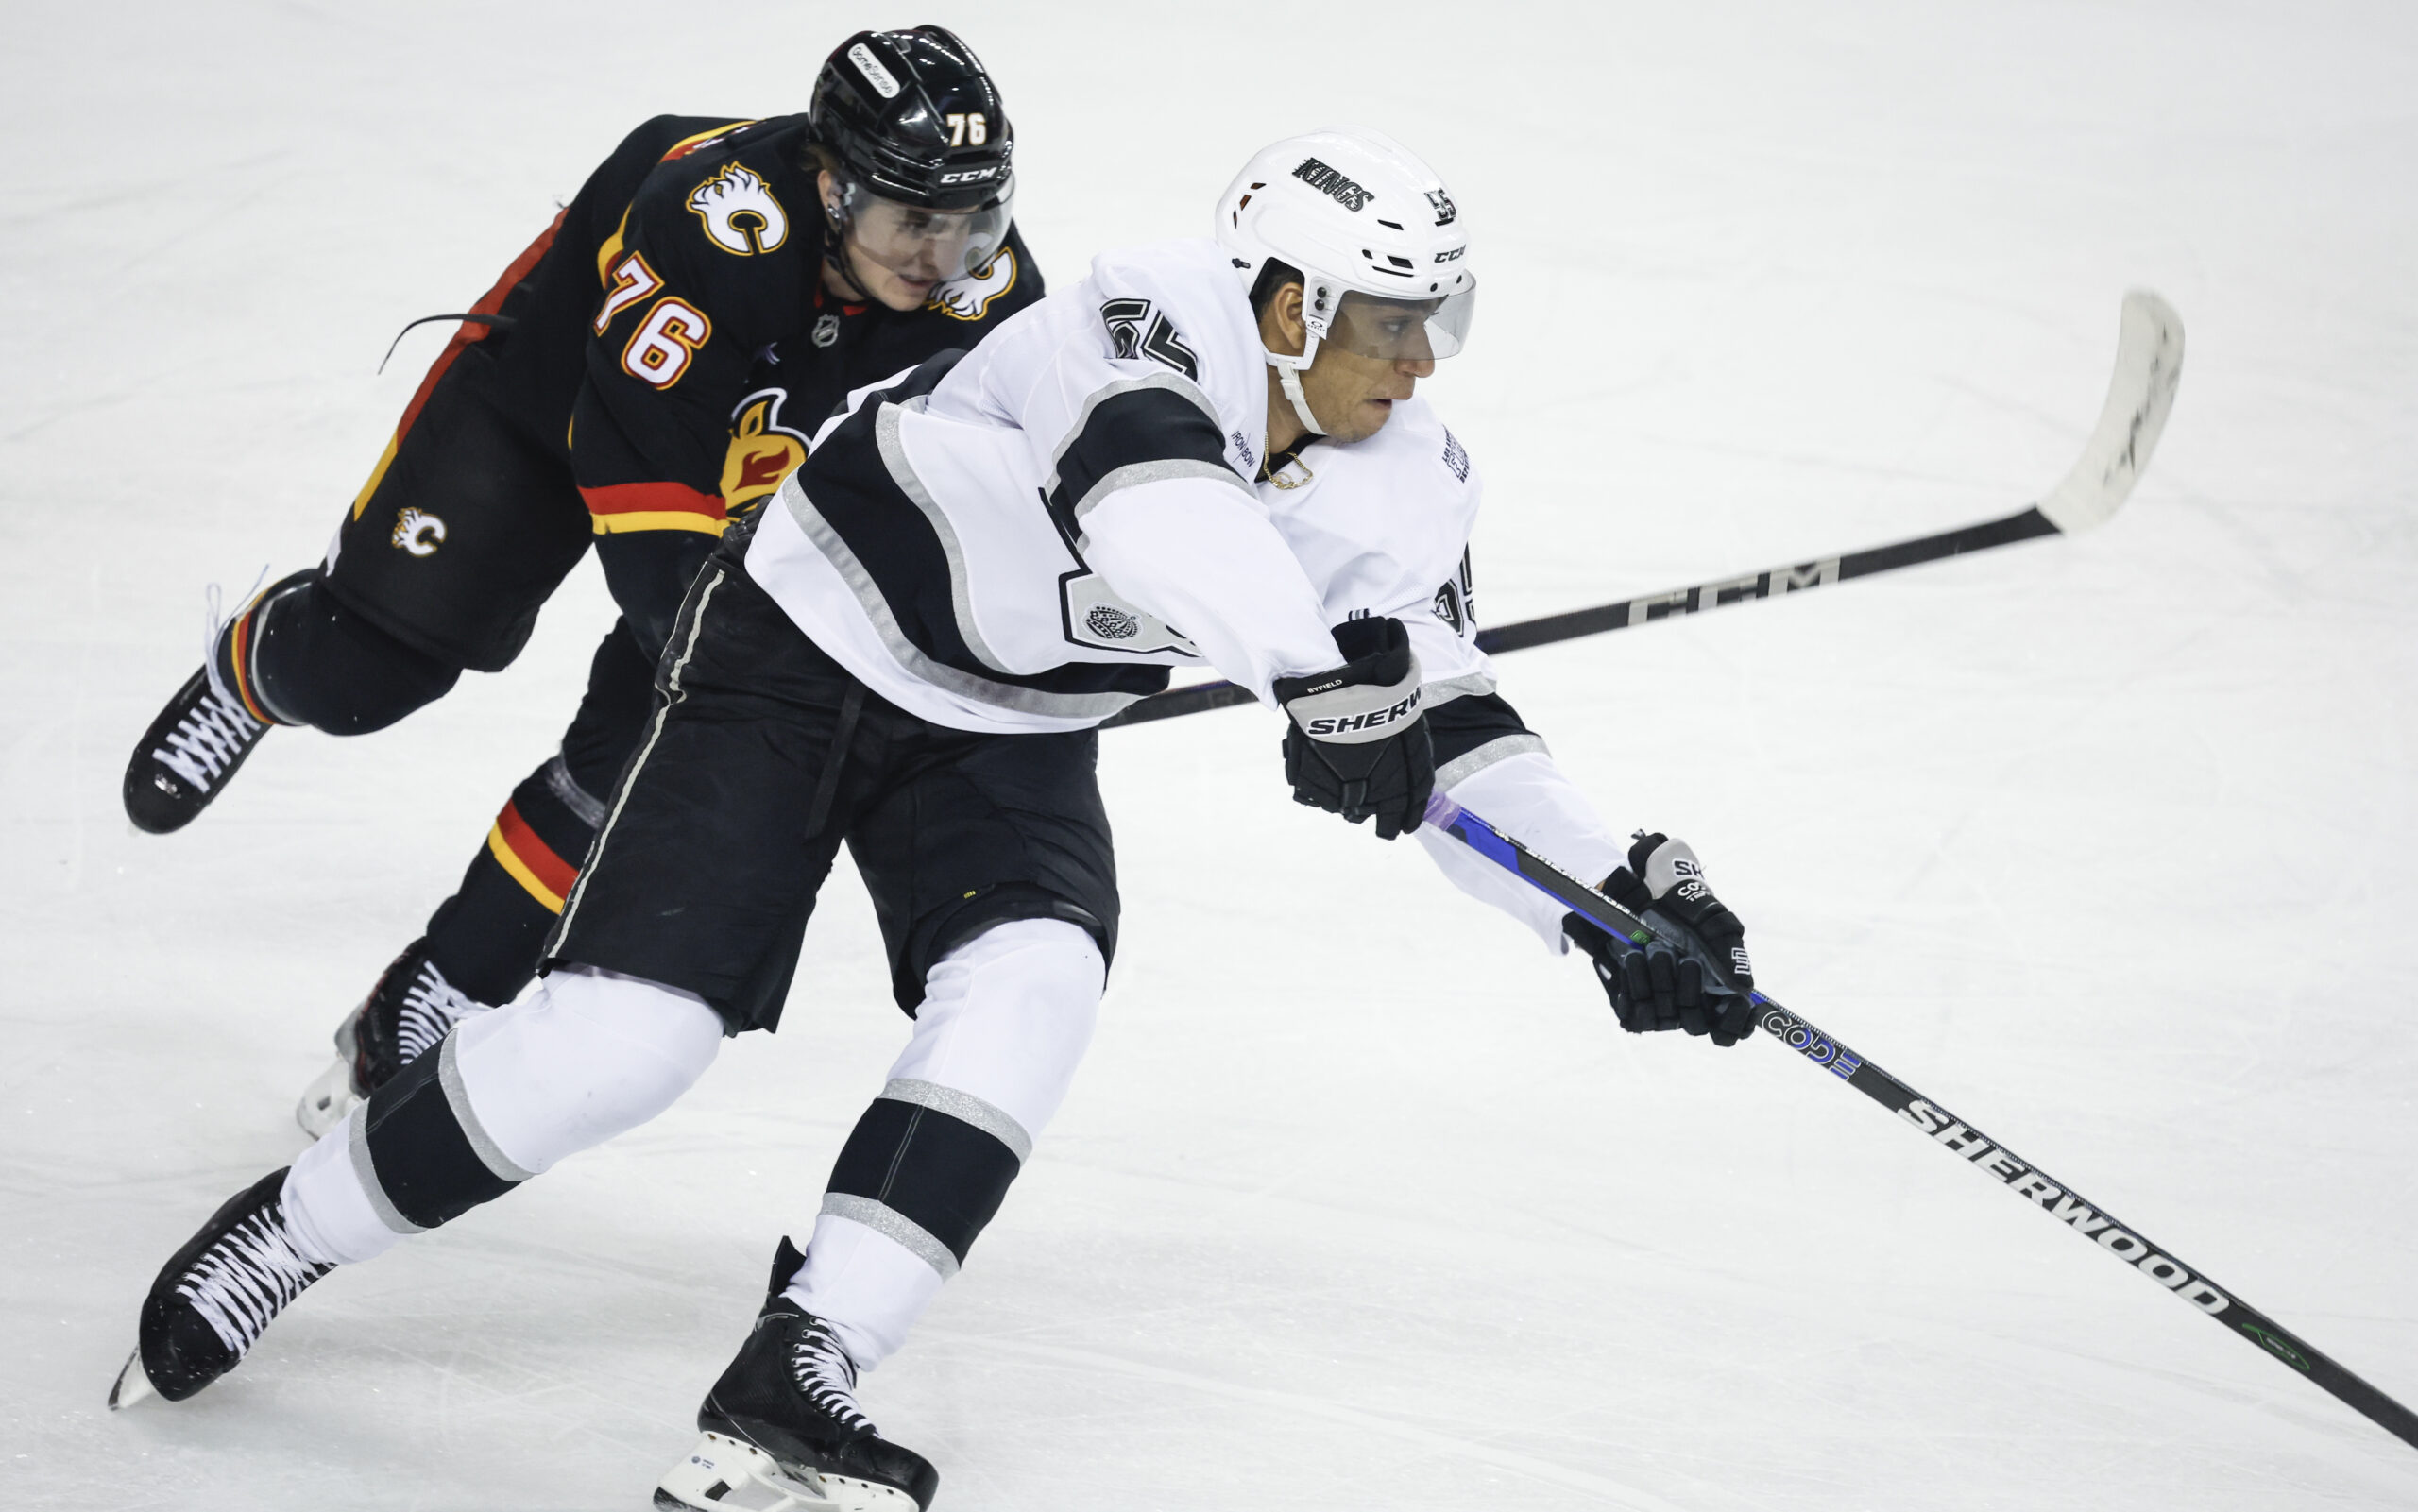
1208 452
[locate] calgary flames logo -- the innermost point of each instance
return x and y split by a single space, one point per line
740 212
969 297
761 454
419 532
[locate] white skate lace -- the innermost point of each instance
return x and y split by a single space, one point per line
213 623
208 740
431 1006
828 1376
246 1277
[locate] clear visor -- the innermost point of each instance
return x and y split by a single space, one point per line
928 245
1366 325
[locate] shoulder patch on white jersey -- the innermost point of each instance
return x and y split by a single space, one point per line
1097 618
1136 329
738 210
1455 459
970 297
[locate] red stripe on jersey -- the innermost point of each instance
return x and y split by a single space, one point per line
652 499
471 331
556 873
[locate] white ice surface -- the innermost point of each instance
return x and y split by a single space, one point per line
1362 1202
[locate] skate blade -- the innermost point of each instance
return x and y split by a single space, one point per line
326 1100
132 1385
725 1476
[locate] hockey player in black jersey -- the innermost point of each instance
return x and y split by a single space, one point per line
647 371
1207 453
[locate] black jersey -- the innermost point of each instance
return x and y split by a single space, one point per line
628 350
711 270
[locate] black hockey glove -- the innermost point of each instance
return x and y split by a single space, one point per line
1358 744
1696 976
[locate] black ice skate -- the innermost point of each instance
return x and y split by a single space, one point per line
191 751
412 1007
186 757
214 1296
782 1430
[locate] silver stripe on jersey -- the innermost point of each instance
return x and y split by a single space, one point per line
1174 384
1469 685
911 1236
835 550
902 473
1135 474
966 1109
1470 763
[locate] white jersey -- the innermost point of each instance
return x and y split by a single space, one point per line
1027 539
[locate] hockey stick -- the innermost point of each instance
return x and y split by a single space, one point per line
1960 1139
2149 363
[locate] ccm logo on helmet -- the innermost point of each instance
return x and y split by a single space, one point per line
971 176
1349 723
1452 256
1331 184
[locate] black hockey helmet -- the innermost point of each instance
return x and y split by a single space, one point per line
913 117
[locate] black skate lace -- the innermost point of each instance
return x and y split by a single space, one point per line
828 1376
246 1277
431 1007
208 738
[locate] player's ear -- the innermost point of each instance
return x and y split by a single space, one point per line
827 190
1280 322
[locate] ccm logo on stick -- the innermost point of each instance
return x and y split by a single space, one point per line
2026 1182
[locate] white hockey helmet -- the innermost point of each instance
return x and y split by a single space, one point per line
1371 229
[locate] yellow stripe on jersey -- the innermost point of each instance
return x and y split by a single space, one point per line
656 520
377 474
501 850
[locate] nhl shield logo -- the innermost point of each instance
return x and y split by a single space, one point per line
740 212
827 330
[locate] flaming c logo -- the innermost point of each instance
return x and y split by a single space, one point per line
969 297
419 532
740 212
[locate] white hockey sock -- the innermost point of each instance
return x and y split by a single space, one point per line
1005 1021
326 1206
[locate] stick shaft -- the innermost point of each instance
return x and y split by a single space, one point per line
1959 1138
2028 524
2141 392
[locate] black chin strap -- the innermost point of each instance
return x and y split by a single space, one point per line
835 255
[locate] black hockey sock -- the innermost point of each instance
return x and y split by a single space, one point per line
428 1160
928 1165
298 656
488 936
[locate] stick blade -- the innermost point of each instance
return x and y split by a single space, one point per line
2149 364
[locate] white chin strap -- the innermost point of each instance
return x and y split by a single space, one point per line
1289 379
